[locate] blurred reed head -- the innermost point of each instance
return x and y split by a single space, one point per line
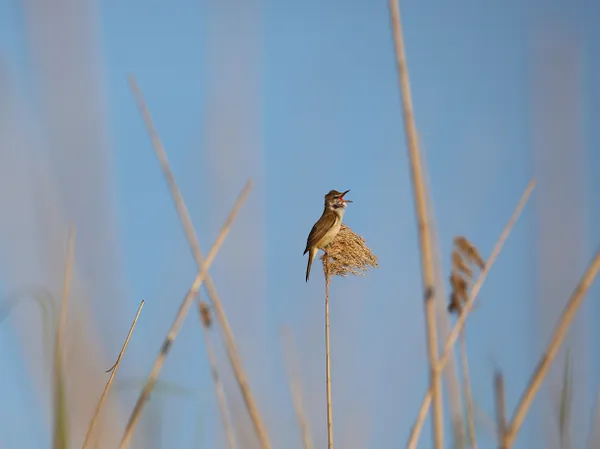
348 254
464 256
205 315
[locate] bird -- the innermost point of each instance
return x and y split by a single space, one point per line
326 228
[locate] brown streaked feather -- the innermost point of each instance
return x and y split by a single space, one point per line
320 228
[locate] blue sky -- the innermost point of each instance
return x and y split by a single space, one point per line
303 98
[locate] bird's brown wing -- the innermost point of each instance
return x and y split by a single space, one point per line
319 230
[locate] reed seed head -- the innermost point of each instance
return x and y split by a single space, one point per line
348 253
205 315
464 255
469 251
459 264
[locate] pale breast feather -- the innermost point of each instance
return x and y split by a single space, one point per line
330 235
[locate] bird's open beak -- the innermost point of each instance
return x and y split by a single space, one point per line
342 197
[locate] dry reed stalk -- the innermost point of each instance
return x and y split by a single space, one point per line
60 434
415 432
347 254
113 372
500 399
467 389
205 319
295 388
553 347
179 318
450 372
413 438
328 360
421 208
190 233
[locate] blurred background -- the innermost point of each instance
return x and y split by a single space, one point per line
303 98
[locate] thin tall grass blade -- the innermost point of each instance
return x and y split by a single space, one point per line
565 403
60 433
113 373
500 399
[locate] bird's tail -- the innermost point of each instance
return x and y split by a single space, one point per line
311 256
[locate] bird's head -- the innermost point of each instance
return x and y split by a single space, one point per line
335 200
